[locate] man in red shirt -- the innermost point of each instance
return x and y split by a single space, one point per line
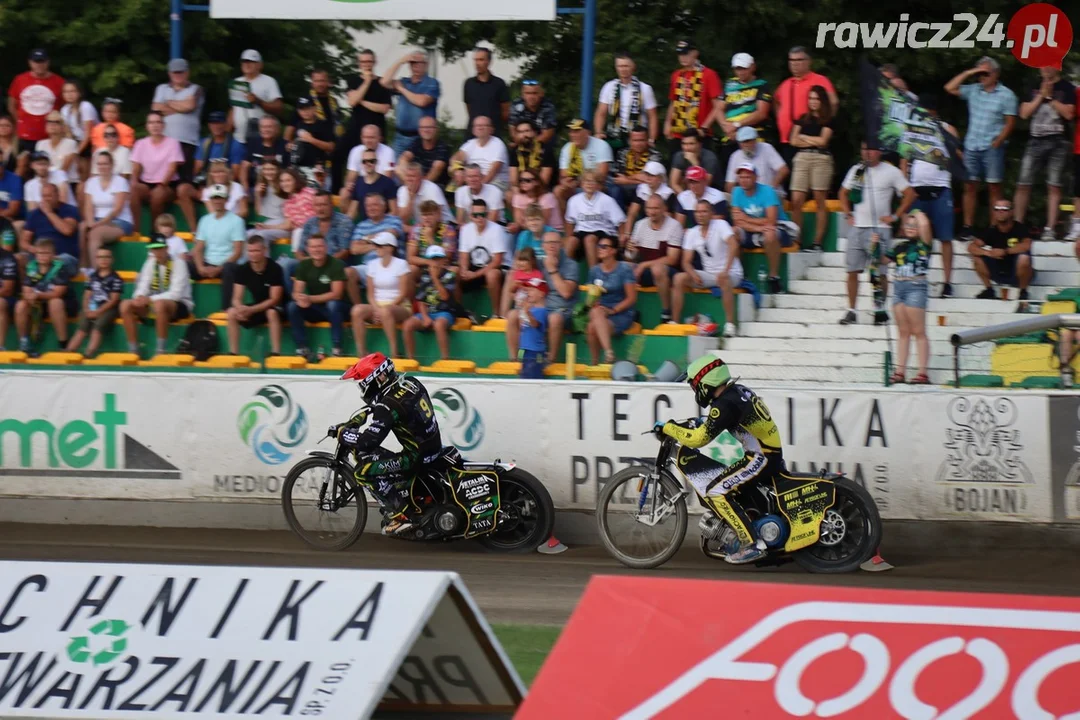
31 97
695 93
790 99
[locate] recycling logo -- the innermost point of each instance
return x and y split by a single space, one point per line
104 643
458 420
272 424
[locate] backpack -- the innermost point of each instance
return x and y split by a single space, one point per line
200 341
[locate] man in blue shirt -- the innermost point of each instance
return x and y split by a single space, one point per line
220 144
58 222
418 96
219 245
11 198
760 220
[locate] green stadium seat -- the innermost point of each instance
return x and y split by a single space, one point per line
982 381
1039 382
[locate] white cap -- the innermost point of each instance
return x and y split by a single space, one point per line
746 166
384 238
742 60
434 251
219 191
251 56
654 168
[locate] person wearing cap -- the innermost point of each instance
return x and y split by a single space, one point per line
655 184
812 167
251 96
698 189
268 144
771 168
110 119
219 244
154 162
429 152
691 153
746 102
310 139
46 290
100 304
361 251
654 248
57 221
63 152
871 186
162 292
591 216
483 254
265 281
713 241
487 151
418 96
583 153
534 107
760 221
219 144
533 318
369 102
486 94
41 166
32 95
790 98
388 299
318 295
625 103
434 305
180 102
9 278
694 96
530 155
630 164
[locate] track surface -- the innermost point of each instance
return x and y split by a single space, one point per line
530 588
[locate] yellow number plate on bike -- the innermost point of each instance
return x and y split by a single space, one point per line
804 504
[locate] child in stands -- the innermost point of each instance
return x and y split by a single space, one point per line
526 267
534 323
100 306
165 231
433 305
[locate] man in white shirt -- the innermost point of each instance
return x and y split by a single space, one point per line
415 191
43 174
251 96
483 253
624 103
475 189
591 216
714 241
655 184
656 249
583 152
871 185
771 168
370 139
698 189
487 151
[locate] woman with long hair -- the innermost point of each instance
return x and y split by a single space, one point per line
80 116
812 169
531 189
911 290
269 203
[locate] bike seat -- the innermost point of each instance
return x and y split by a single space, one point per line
449 457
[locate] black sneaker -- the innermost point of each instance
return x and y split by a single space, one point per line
987 294
946 290
849 318
965 234
665 316
774 286
1023 295
881 317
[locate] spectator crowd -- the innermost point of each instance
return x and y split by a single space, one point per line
393 230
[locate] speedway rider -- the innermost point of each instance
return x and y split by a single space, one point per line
737 409
394 404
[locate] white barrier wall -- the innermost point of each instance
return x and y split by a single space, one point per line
934 454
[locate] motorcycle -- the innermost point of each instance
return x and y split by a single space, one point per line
497 504
824 522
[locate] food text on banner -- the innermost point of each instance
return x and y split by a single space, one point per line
807 650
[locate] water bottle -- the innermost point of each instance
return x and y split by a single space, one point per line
762 280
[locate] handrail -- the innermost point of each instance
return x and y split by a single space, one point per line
1009 329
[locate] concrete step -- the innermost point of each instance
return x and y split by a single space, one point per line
838 288
828 345
766 375
1056 278
1058 248
741 358
964 262
827 317
863 330
947 306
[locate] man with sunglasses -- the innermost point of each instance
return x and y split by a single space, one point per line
483 250
418 96
369 181
534 107
1003 253
531 155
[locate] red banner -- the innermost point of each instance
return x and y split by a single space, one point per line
662 648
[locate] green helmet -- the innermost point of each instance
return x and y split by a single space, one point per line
705 375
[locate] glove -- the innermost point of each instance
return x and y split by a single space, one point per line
332 431
350 435
658 428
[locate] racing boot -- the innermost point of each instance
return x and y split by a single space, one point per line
737 554
397 525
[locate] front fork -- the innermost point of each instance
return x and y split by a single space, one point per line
657 511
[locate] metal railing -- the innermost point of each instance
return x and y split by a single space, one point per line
1009 329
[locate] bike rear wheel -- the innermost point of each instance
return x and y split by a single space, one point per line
526 515
323 506
850 532
642 517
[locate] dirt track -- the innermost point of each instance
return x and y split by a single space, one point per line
521 588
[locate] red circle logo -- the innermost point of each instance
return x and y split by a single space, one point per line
1040 35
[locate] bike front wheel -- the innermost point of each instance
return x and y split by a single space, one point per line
641 514
322 505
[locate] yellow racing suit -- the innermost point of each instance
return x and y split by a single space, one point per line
740 411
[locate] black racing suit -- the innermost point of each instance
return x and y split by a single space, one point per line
740 411
405 409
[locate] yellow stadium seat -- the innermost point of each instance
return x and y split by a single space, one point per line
450 366
406 365
114 359
165 360
227 361
670 330
128 275
12 357
598 372
502 367
286 362
496 325
283 241
335 363
462 324
210 281
559 370
646 289
186 236
57 358
634 329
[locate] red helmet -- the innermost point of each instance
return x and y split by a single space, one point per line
373 373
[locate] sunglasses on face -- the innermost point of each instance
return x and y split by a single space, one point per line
112 134
605 247
530 83
1002 208
369 162
528 180
479 214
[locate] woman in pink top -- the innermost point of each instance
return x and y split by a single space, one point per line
299 205
154 161
532 190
